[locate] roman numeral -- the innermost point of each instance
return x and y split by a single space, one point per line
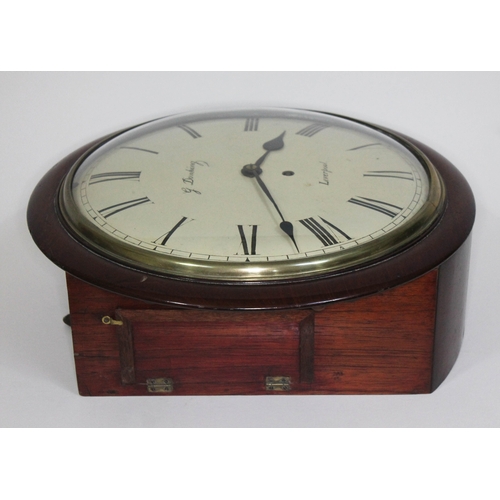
165 237
251 125
140 149
311 130
327 233
377 205
114 176
395 174
365 146
253 240
190 131
119 207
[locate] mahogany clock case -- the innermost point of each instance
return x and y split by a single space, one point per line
392 326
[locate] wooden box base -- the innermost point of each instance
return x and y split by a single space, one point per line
398 341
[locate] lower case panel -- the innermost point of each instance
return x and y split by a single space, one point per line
216 352
381 344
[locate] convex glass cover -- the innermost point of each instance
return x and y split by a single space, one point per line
256 195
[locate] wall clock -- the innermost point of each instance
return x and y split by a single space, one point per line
258 252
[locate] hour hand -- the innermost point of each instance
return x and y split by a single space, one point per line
273 145
253 169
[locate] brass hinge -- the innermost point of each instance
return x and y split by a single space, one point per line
160 384
278 383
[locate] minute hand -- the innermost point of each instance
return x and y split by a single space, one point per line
286 226
268 194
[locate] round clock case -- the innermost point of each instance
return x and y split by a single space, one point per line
166 211
263 210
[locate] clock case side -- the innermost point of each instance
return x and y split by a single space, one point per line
401 341
450 313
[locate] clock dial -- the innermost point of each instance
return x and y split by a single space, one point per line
251 196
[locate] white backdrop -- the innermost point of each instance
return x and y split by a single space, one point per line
44 116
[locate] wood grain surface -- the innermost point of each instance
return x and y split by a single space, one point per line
380 344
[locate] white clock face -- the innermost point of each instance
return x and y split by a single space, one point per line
251 195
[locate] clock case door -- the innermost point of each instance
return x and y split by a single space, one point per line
222 353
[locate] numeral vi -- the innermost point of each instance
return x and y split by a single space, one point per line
249 244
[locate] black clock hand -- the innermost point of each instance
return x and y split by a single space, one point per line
254 170
286 226
273 145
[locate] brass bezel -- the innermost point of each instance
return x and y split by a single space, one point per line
275 271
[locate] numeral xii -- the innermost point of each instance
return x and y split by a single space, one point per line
251 124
